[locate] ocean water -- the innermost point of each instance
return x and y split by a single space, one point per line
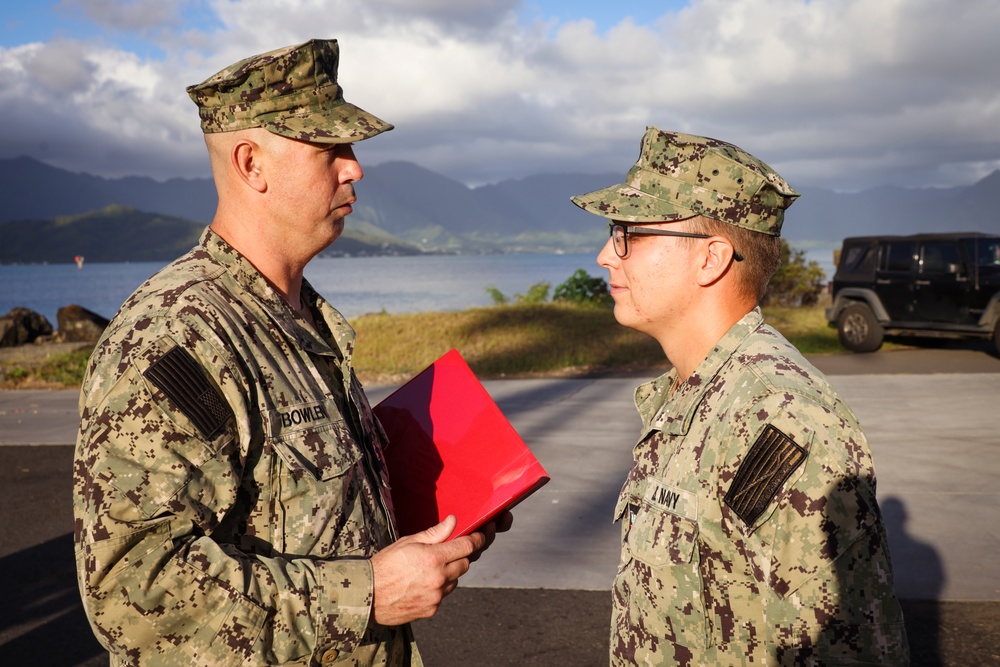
354 285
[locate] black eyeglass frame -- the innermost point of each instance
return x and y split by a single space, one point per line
650 231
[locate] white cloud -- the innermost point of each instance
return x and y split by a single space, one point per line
125 15
841 93
59 67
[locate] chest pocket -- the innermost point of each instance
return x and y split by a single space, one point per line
663 567
323 503
313 439
660 539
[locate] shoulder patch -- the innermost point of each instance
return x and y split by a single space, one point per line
183 381
770 461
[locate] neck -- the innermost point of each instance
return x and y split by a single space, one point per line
699 334
284 273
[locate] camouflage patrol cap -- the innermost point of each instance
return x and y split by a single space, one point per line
679 176
291 91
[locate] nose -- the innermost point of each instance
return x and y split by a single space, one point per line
607 258
348 168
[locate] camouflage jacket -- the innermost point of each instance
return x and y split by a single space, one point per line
229 485
750 530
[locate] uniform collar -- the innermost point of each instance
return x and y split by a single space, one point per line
255 284
673 413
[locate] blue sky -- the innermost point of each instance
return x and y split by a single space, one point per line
844 94
30 21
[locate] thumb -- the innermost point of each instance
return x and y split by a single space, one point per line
439 533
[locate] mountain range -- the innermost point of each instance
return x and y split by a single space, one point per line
50 214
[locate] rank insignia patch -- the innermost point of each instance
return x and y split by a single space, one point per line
182 380
771 460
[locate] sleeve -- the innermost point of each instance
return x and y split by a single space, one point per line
824 547
158 467
812 487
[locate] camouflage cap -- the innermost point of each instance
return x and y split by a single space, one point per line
291 91
679 176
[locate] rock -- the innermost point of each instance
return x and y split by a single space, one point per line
22 325
79 325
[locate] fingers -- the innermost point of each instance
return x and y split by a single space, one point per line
454 570
500 524
503 521
414 574
488 532
435 534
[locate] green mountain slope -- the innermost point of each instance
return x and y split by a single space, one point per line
123 234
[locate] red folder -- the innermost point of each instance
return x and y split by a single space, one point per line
452 451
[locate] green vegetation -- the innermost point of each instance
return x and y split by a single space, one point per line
65 369
35 368
112 234
537 293
529 340
581 288
797 282
806 327
503 341
516 340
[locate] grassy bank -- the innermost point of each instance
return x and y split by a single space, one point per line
538 340
501 341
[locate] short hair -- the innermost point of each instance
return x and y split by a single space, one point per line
761 253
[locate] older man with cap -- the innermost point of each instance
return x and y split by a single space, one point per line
750 530
230 492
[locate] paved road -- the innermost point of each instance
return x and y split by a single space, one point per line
540 595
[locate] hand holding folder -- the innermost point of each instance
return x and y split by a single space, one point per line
452 451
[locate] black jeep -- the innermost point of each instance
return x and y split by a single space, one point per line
930 285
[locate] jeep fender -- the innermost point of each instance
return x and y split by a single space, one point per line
849 295
991 314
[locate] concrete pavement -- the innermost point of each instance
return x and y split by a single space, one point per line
934 439
933 436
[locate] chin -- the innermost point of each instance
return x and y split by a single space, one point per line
621 317
337 231
628 319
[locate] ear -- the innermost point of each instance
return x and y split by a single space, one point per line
716 259
246 162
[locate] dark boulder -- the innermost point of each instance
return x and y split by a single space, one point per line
79 325
22 325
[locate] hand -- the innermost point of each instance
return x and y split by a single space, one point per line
501 523
414 574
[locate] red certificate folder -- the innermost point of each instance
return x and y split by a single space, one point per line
451 451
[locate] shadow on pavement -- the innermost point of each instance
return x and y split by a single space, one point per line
922 579
42 619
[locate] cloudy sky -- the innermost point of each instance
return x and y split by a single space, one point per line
845 94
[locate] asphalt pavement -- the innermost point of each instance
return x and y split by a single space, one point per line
540 595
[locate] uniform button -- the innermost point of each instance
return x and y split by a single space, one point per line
330 656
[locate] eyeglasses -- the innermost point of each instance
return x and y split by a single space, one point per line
620 232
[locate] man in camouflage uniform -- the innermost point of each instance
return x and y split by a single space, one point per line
230 492
750 530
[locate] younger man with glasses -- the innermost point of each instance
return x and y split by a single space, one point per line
750 529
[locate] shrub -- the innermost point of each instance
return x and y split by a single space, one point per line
583 288
797 282
537 293
499 298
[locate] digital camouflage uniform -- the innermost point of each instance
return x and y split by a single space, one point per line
229 481
750 530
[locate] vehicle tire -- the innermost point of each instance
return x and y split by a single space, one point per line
858 329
